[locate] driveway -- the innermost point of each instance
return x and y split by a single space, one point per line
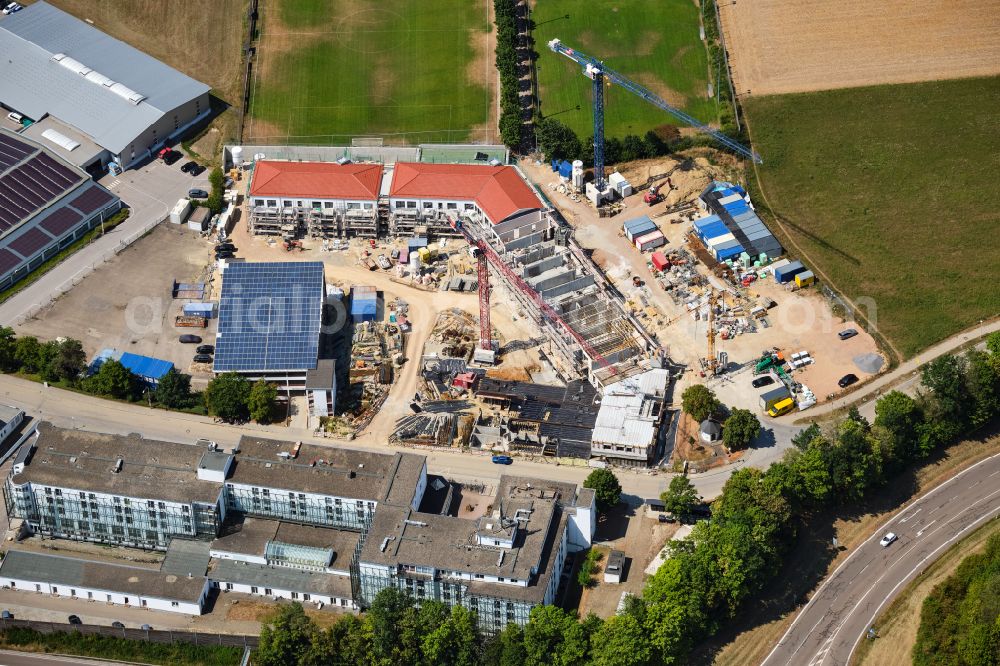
150 191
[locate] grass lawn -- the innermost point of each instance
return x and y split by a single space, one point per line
890 193
410 71
653 42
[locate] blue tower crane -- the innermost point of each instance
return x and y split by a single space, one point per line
595 70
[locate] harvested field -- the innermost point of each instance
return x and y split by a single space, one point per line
783 46
885 193
408 71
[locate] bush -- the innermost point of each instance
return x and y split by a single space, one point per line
119 649
585 575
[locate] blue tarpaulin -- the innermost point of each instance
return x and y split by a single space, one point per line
713 230
703 222
414 243
146 368
565 169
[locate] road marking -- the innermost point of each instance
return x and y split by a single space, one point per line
921 532
995 473
903 520
875 534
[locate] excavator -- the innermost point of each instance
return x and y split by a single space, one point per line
653 196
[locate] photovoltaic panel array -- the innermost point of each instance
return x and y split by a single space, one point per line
30 180
61 221
270 315
8 260
92 199
30 242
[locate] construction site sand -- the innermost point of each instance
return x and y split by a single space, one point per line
785 46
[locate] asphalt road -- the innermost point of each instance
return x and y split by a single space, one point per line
8 658
830 627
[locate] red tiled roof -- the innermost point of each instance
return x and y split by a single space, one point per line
498 190
322 180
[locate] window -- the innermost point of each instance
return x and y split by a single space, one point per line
428 204
400 204
286 203
411 204
452 206
72 592
479 575
173 604
254 590
267 591
258 202
142 602
329 204
272 203
109 597
38 588
229 586
469 206
55 590
299 203
306 597
316 204
90 595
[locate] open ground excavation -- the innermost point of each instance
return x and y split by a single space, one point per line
329 71
784 46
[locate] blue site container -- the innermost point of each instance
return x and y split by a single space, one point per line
785 273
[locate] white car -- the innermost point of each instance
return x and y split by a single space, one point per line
11 8
888 539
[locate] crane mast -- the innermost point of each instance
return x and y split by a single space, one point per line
595 70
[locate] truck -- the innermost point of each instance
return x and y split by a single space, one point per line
781 407
769 398
383 262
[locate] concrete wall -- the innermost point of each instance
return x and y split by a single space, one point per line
109 596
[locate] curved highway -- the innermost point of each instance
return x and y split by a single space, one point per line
833 622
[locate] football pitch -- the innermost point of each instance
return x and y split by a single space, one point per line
408 71
653 42
889 191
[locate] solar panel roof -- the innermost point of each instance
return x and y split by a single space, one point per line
269 316
30 242
61 221
92 199
30 179
8 260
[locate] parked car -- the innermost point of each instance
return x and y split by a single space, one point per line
75 619
197 194
206 349
888 539
188 166
848 334
847 380
503 460
667 518
11 8
118 625
163 152
202 358
189 339
146 627
172 157
7 615
766 380
197 170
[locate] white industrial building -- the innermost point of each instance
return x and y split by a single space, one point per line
629 419
10 419
96 100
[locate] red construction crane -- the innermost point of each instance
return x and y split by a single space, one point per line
484 253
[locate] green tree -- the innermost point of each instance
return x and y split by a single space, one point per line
389 609
115 380
900 416
286 637
803 437
740 428
557 141
260 402
8 361
67 361
28 354
680 496
699 402
607 489
454 642
507 649
174 389
226 397
345 643
982 382
812 471
945 377
554 637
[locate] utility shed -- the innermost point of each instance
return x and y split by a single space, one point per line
614 570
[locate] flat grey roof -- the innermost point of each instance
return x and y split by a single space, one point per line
35 84
281 578
214 461
186 556
323 375
8 414
321 469
79 156
151 469
58 570
250 537
526 487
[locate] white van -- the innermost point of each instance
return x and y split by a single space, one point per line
16 117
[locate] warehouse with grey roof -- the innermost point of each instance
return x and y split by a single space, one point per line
98 95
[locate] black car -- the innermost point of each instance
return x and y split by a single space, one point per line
197 170
197 194
202 358
172 157
847 380
206 349
118 625
189 166
848 334
766 380
75 619
189 339
225 247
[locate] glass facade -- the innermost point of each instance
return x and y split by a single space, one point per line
102 518
299 507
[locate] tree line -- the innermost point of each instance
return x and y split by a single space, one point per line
557 141
711 574
507 65
229 396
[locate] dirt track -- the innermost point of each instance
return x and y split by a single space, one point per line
784 46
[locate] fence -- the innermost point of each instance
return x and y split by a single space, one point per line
151 636
77 277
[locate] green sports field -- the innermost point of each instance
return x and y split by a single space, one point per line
892 192
408 70
653 42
